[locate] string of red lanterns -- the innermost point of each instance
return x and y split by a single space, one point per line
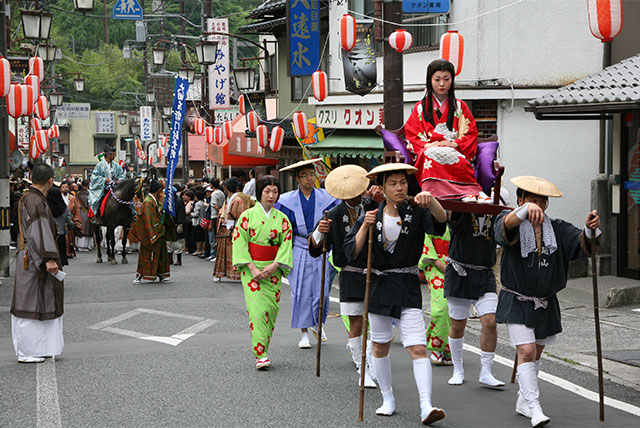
452 49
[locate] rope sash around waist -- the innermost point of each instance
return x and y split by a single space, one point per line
262 253
460 267
413 270
538 302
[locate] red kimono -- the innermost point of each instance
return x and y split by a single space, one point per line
446 172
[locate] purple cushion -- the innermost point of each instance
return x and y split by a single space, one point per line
484 165
394 142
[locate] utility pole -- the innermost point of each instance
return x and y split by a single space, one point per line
393 81
4 151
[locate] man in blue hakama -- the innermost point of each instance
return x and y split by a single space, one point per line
304 207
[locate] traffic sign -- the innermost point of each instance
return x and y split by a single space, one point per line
127 9
426 6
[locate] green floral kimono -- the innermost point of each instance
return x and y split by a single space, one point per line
436 248
261 240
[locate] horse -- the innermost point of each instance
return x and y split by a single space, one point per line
117 212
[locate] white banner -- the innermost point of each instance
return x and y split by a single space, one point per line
219 72
146 123
221 116
105 123
74 111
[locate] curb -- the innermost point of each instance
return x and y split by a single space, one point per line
622 297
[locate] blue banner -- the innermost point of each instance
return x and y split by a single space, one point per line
175 140
304 36
426 6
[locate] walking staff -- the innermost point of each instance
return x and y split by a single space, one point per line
321 306
596 317
365 322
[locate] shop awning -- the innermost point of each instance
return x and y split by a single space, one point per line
363 144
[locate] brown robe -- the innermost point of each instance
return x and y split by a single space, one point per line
76 214
36 293
150 230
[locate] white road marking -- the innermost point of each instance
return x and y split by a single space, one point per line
568 386
48 408
635 310
173 340
334 299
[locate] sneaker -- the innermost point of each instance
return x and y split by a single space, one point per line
315 333
263 364
138 280
304 343
436 358
30 360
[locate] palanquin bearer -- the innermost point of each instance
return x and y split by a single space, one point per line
534 267
348 183
398 236
304 207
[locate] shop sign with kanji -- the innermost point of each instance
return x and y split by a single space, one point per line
303 17
105 123
219 71
354 116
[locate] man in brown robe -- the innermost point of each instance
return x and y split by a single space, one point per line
85 241
76 214
37 306
150 229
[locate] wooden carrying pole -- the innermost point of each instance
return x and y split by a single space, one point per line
321 307
596 316
365 323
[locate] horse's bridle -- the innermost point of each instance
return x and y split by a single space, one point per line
120 201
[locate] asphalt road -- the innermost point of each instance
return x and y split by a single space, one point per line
178 355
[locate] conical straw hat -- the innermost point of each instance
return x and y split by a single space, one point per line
347 182
300 164
398 167
537 186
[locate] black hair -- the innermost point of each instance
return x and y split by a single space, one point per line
232 185
190 195
205 179
85 183
199 194
381 178
56 203
215 183
252 173
427 101
178 187
41 173
304 167
266 180
154 186
521 194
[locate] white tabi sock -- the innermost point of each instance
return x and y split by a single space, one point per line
423 376
355 346
528 380
455 345
382 367
486 377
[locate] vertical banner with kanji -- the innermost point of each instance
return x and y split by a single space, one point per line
359 64
146 123
219 72
175 140
303 31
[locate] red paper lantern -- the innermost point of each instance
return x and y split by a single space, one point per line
20 100
277 138
36 124
452 49
253 121
347 32
163 140
199 125
42 140
33 148
5 76
228 130
159 153
300 127
400 40
142 155
320 84
208 134
241 105
605 18
33 81
218 135
42 107
54 131
36 66
262 135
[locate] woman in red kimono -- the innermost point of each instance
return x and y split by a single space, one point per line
442 132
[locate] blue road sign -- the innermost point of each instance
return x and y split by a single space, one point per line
426 6
127 9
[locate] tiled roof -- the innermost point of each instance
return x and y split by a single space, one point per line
262 25
618 84
268 7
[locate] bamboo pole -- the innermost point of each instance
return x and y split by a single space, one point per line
365 322
321 308
596 316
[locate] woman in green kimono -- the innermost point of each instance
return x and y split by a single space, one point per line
432 262
263 254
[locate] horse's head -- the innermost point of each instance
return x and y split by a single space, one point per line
130 187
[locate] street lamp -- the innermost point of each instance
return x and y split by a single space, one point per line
187 73
83 5
36 24
56 98
122 118
135 129
47 52
79 84
166 111
207 52
151 97
244 78
158 55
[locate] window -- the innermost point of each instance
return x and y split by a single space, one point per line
99 143
429 36
299 85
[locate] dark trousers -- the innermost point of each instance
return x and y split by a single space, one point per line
62 249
